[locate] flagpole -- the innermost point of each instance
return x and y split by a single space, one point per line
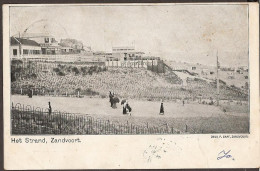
217 81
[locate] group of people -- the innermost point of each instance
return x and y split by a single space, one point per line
113 100
126 107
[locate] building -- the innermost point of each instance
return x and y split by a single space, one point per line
47 42
50 46
20 47
66 50
123 49
124 53
74 45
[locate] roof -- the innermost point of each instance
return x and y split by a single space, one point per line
35 35
17 41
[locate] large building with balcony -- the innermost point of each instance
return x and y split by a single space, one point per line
47 42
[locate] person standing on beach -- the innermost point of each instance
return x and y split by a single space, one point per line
129 109
50 109
30 93
161 108
124 108
111 98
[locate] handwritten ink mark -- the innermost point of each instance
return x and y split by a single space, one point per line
224 154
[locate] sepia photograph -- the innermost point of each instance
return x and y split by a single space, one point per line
122 69
131 86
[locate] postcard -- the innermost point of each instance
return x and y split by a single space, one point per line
129 86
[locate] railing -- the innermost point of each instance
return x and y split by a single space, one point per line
29 120
70 57
39 91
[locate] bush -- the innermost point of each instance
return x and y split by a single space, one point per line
13 77
56 69
60 73
90 72
75 70
211 103
18 70
99 69
83 70
68 69
89 91
33 76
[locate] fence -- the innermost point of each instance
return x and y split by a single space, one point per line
92 93
61 58
153 65
29 120
46 92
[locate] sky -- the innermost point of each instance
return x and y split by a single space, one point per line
188 33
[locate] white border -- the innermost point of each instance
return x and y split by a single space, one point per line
126 151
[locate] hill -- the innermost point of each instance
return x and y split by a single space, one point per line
136 83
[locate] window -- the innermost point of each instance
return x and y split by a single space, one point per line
46 40
52 40
35 51
14 52
25 52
